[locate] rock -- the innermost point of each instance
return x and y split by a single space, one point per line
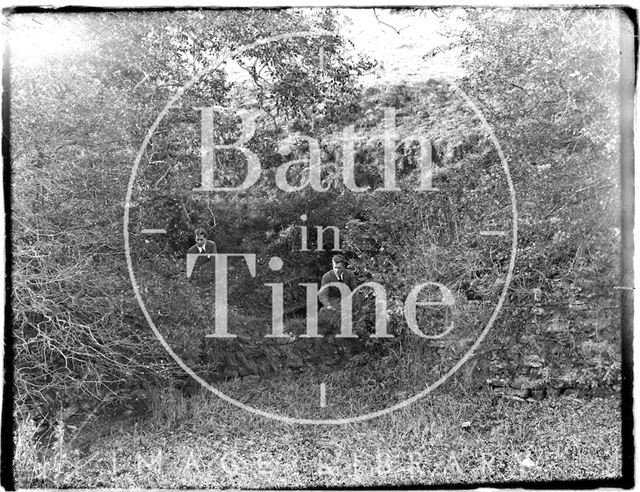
565 380
532 360
538 394
554 392
578 306
284 340
520 393
497 382
522 382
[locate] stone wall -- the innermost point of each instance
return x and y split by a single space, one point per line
245 356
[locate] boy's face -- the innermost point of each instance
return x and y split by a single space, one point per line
338 268
200 240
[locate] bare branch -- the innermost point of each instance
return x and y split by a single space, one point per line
169 169
384 23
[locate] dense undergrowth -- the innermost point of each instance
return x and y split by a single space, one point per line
80 338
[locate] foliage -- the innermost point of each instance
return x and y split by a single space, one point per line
545 80
77 122
76 334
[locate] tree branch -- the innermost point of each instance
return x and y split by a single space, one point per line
384 23
169 169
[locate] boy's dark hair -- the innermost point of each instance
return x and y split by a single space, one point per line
200 231
339 259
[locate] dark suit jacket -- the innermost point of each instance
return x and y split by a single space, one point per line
331 295
209 249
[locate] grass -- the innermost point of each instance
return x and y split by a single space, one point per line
448 437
